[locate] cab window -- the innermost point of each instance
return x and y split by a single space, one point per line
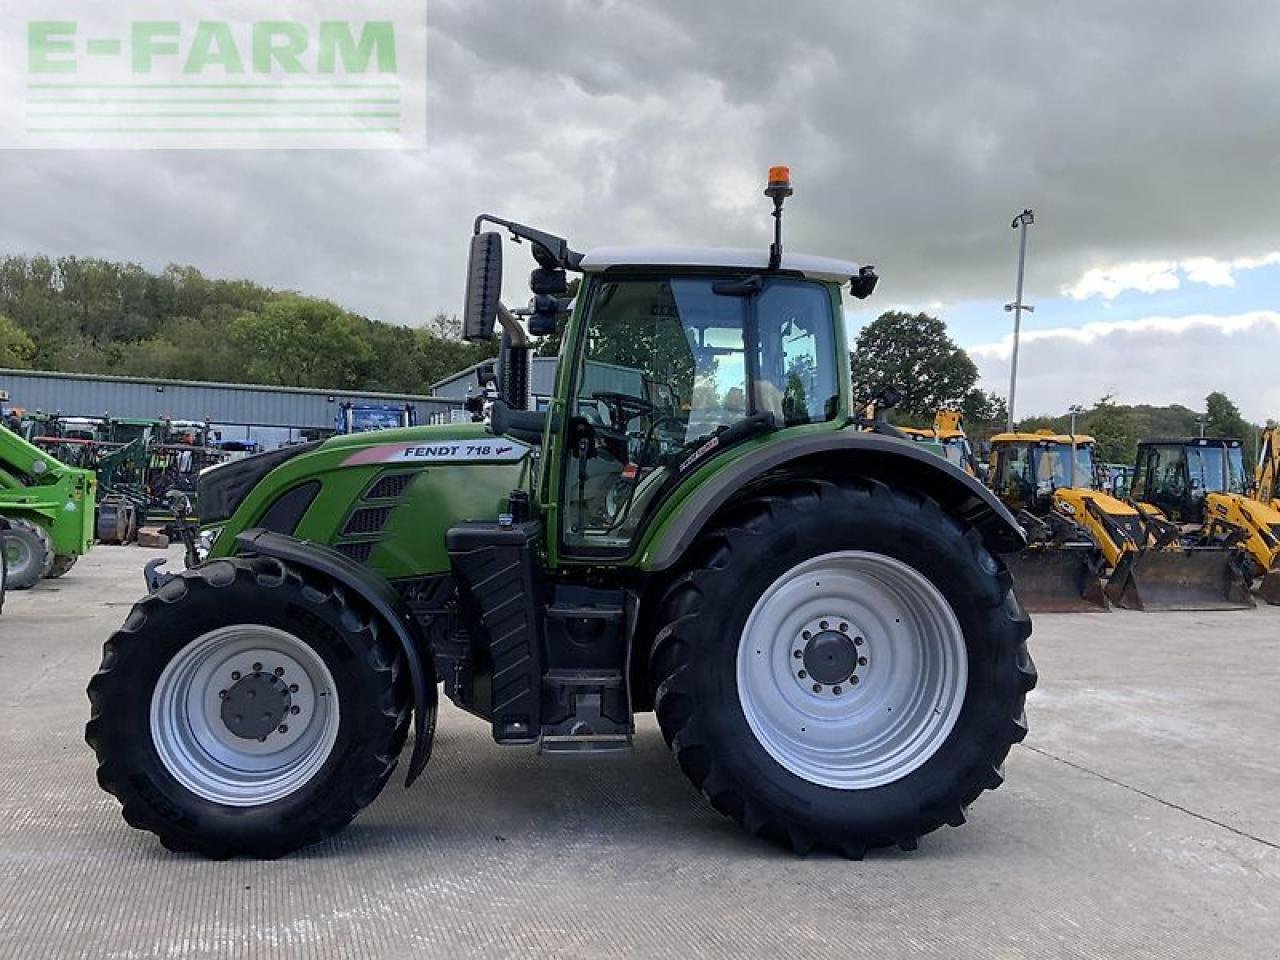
667 362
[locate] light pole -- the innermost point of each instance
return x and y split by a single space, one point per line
1021 221
1075 410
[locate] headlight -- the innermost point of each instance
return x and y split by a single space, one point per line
205 541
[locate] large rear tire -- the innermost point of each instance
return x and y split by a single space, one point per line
842 666
29 553
246 708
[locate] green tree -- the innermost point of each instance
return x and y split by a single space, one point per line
1112 428
1223 419
302 342
914 353
17 350
984 414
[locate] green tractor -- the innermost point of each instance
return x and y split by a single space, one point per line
696 526
49 508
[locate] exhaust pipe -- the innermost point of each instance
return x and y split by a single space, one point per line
1202 578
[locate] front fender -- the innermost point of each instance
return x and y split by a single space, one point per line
380 595
896 462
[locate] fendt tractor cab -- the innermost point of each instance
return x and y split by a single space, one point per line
695 526
362 417
1201 484
1080 533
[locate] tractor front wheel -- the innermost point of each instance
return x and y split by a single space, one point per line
246 708
28 553
842 666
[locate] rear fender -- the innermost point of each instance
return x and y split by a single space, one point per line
380 595
846 453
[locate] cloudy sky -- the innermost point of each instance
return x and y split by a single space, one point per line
1145 134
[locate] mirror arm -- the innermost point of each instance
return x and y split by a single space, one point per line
511 326
557 250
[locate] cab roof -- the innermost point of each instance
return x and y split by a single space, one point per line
745 258
1062 438
1192 442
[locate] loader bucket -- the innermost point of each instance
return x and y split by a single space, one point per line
1197 579
1270 589
1057 579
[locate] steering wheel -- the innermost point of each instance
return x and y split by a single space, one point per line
623 407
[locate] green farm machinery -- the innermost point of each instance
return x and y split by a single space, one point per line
697 526
49 508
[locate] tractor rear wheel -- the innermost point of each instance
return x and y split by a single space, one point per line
842 666
246 708
28 553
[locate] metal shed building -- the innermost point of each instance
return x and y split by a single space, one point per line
270 413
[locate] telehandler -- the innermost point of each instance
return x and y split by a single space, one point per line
50 509
817 614
1079 532
1200 486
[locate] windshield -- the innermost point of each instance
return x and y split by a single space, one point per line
1207 467
1237 480
958 450
1055 466
666 363
362 421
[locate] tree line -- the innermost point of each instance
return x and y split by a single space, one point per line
84 315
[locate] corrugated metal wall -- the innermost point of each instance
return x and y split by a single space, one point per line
85 396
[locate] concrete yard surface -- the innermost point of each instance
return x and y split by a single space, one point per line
1141 818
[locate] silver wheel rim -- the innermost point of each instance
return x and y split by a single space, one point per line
18 556
217 695
904 650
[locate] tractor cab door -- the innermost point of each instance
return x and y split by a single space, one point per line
665 369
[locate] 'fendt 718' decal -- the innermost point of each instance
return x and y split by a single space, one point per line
448 451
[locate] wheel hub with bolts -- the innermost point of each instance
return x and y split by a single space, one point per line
244 715
830 653
254 706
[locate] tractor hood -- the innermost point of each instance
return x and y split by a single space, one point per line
384 499
448 443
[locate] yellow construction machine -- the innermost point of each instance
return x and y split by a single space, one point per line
1078 532
1266 476
948 433
1200 486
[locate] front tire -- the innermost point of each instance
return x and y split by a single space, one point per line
246 708
793 728
28 552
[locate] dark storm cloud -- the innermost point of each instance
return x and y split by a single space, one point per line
1142 130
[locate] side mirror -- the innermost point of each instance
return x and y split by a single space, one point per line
484 286
862 286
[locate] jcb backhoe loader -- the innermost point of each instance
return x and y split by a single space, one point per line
948 433
1078 532
1200 486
